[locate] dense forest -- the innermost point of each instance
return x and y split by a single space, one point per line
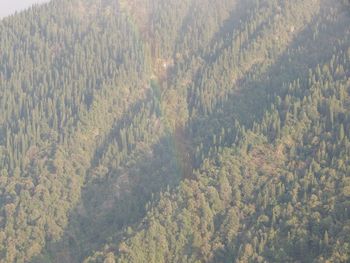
175 131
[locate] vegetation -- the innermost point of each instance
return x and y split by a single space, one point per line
175 131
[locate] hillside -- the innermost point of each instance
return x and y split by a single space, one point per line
175 131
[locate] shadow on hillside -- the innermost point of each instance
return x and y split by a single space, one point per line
253 96
119 200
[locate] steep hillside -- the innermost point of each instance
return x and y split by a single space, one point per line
175 131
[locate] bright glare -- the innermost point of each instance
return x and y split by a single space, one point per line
8 7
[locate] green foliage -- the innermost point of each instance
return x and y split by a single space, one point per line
175 131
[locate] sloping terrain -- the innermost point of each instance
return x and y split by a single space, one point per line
175 131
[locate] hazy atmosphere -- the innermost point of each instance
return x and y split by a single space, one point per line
175 131
9 7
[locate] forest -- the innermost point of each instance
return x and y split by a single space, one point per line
182 131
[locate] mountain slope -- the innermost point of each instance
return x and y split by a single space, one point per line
175 131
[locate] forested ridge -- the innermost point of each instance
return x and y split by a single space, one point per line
175 131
